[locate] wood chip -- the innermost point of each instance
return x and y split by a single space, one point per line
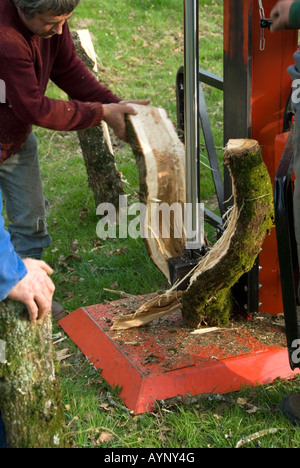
202 331
257 435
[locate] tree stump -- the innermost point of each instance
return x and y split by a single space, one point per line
208 299
103 176
30 394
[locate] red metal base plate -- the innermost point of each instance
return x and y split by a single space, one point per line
164 359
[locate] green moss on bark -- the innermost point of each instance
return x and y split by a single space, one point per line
30 401
209 299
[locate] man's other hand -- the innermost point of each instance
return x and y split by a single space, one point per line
35 290
280 15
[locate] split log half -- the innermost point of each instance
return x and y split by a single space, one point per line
103 176
208 299
30 392
160 157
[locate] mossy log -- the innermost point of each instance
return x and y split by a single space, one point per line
208 299
30 393
103 176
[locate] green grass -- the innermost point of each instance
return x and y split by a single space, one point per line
140 48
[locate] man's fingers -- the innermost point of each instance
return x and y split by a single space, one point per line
32 263
40 307
32 310
129 110
44 266
50 285
143 102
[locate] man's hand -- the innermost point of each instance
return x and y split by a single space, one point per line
35 290
114 115
280 15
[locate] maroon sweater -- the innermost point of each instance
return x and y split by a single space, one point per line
27 63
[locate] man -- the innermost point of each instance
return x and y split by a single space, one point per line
286 15
24 281
35 47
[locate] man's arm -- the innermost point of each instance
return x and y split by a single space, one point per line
71 75
25 281
12 269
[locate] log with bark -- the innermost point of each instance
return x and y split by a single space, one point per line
103 176
30 392
208 299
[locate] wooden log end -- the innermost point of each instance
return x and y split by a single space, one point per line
240 147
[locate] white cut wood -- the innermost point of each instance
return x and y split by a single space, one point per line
161 160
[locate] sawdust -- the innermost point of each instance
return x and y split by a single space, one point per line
167 344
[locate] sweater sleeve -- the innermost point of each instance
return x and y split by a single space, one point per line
26 95
32 107
295 15
12 269
71 75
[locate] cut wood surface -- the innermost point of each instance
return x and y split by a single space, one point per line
103 176
160 157
208 300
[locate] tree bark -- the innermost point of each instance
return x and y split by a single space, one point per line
160 158
30 393
103 176
208 299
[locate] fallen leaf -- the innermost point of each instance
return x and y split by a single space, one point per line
248 407
105 437
74 246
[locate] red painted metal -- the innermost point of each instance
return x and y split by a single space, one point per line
266 88
271 86
164 359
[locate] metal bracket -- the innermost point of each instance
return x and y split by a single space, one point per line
216 82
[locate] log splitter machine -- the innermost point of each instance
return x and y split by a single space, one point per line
257 96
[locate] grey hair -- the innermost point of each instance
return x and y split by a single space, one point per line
59 7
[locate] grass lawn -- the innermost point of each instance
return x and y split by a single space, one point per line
140 48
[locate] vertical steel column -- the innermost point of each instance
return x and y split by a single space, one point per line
191 125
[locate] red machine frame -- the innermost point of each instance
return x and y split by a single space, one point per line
256 91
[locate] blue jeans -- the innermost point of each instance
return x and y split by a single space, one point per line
26 207
2 434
